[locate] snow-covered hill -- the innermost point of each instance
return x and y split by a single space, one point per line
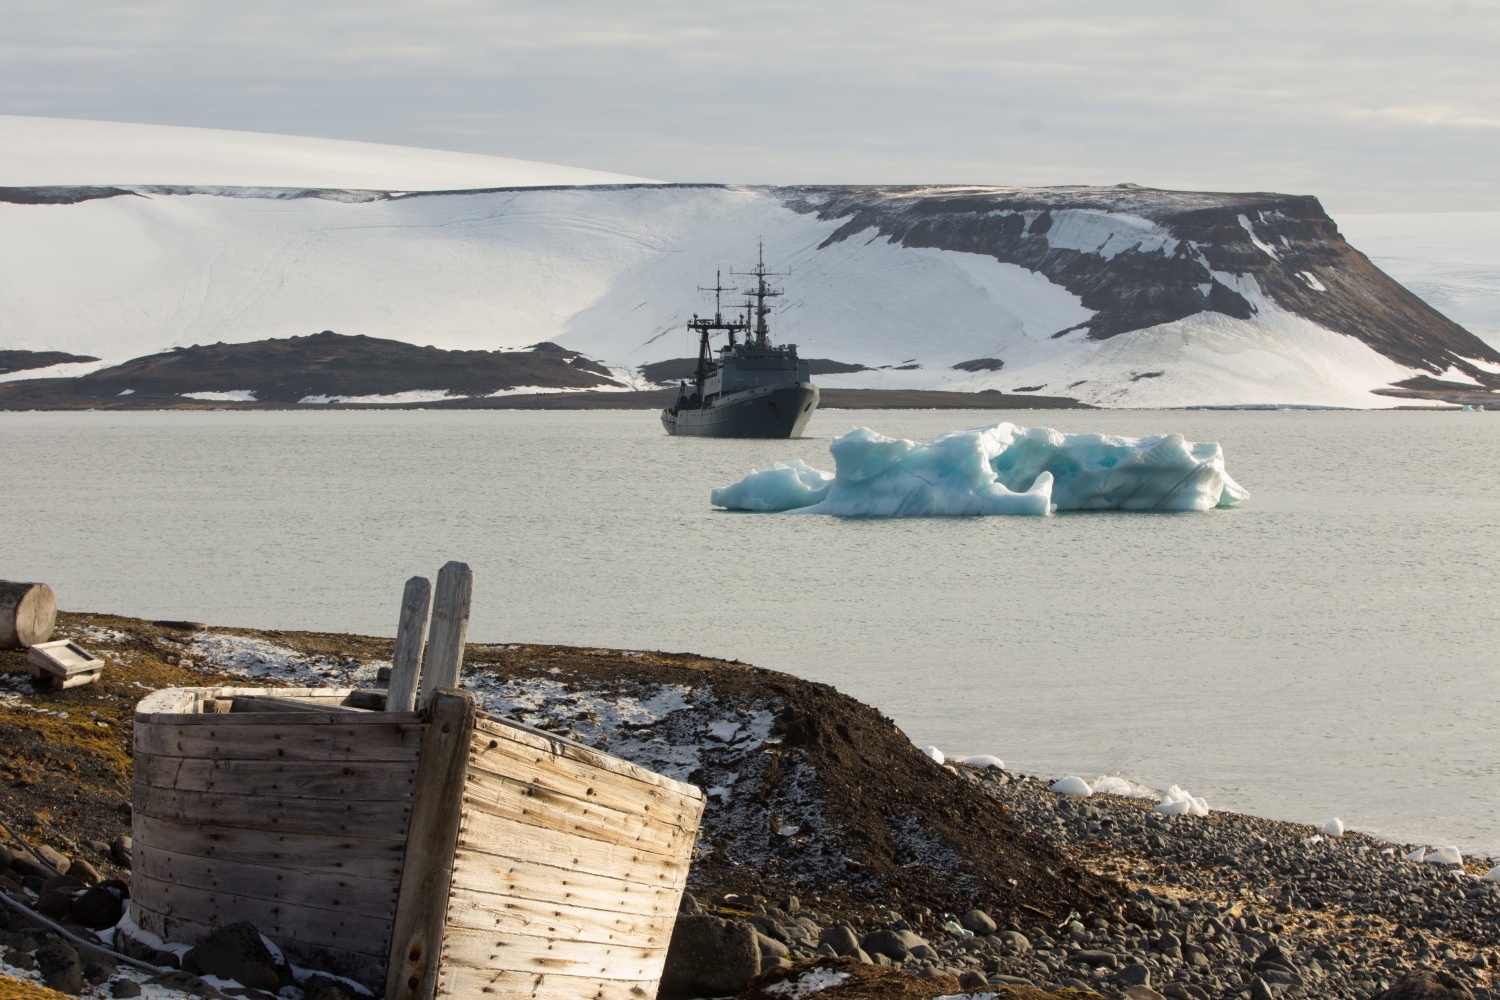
1119 297
44 151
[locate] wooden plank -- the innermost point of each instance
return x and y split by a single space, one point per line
522 953
362 968
380 781
301 887
346 931
376 820
371 857
522 803
583 781
484 834
540 740
406 664
461 981
417 934
450 625
507 915
307 736
544 884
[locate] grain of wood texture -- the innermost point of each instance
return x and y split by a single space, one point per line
443 661
539 740
353 818
377 781
482 949
345 931
582 780
534 806
524 879
411 631
570 854
345 736
295 851
506 915
368 970
462 981
300 887
28 614
416 938
182 705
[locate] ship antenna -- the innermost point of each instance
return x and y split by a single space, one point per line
760 293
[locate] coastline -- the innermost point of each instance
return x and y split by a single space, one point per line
1200 906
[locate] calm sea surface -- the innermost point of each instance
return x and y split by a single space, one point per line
1328 649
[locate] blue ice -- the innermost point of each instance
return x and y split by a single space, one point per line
999 469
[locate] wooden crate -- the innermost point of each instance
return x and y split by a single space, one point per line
420 853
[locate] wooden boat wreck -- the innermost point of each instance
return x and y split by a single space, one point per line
406 841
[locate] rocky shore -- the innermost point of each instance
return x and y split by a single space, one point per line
835 856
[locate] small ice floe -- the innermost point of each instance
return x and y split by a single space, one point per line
1316 838
1444 856
1417 855
788 830
1072 785
935 754
1389 852
1493 875
960 932
983 760
1113 784
811 981
1364 848
1333 828
1178 802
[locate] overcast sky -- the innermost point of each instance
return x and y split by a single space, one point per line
1373 106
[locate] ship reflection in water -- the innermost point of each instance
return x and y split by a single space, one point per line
748 388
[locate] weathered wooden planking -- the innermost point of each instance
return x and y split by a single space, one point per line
416 937
444 658
346 931
300 887
372 857
528 880
504 729
573 854
485 950
341 736
375 820
463 981
360 967
382 781
522 803
411 629
585 782
505 915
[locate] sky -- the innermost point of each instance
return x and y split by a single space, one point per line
1373 106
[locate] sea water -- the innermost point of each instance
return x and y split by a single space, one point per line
1327 648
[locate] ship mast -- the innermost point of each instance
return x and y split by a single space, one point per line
760 293
704 327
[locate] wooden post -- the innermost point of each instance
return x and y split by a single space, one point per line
406 664
431 841
450 624
28 613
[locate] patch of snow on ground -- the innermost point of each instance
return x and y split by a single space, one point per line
231 396
1454 374
812 981
410 396
1265 247
258 659
1108 233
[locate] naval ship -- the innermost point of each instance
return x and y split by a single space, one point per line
747 388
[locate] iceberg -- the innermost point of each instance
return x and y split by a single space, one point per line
998 469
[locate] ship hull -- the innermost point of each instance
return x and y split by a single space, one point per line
782 412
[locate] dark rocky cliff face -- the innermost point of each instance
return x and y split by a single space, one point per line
1287 243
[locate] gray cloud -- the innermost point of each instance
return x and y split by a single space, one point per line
1372 106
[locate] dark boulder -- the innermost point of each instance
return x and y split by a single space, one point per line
318 987
124 989
1426 984
885 942
98 908
60 967
979 922
235 951
709 957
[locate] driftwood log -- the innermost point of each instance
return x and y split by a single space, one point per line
28 614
